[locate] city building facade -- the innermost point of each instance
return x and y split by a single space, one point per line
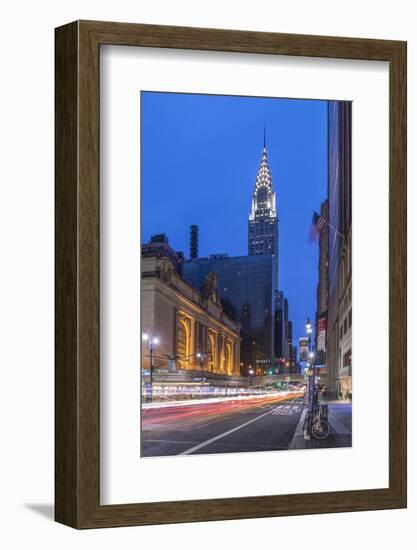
339 318
193 331
322 297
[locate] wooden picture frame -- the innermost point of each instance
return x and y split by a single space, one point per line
77 382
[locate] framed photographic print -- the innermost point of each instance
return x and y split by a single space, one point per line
230 274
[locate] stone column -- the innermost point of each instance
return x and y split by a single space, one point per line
236 357
175 332
221 353
193 351
204 346
215 351
232 359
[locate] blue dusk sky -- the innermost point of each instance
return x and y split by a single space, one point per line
200 157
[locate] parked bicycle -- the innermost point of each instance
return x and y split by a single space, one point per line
320 427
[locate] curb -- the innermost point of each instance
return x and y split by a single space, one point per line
298 430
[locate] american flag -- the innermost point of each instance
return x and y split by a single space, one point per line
317 224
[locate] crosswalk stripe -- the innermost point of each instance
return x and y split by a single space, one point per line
286 410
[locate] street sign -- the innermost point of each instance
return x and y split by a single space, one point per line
321 333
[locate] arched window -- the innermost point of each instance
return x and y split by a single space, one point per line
183 342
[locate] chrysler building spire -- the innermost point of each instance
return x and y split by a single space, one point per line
263 219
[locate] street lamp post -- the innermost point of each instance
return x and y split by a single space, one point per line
312 369
152 341
309 330
251 373
200 357
313 374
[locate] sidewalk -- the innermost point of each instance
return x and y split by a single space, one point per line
340 420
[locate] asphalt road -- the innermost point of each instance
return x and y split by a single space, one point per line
258 424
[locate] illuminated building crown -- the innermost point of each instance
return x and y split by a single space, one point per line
264 199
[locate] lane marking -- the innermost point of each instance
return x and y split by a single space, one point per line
288 410
205 443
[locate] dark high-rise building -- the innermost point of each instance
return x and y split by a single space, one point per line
283 333
339 317
263 218
246 287
279 324
289 339
294 365
286 329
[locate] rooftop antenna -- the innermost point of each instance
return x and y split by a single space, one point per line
193 242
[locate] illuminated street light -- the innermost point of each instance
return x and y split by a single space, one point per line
152 342
251 373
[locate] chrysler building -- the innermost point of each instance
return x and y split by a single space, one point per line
263 219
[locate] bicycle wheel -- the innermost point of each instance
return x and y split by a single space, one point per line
320 429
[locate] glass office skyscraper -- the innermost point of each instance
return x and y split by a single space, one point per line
246 288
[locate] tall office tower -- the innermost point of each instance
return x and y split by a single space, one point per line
263 218
247 285
279 324
246 288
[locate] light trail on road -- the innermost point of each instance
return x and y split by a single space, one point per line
204 411
249 423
